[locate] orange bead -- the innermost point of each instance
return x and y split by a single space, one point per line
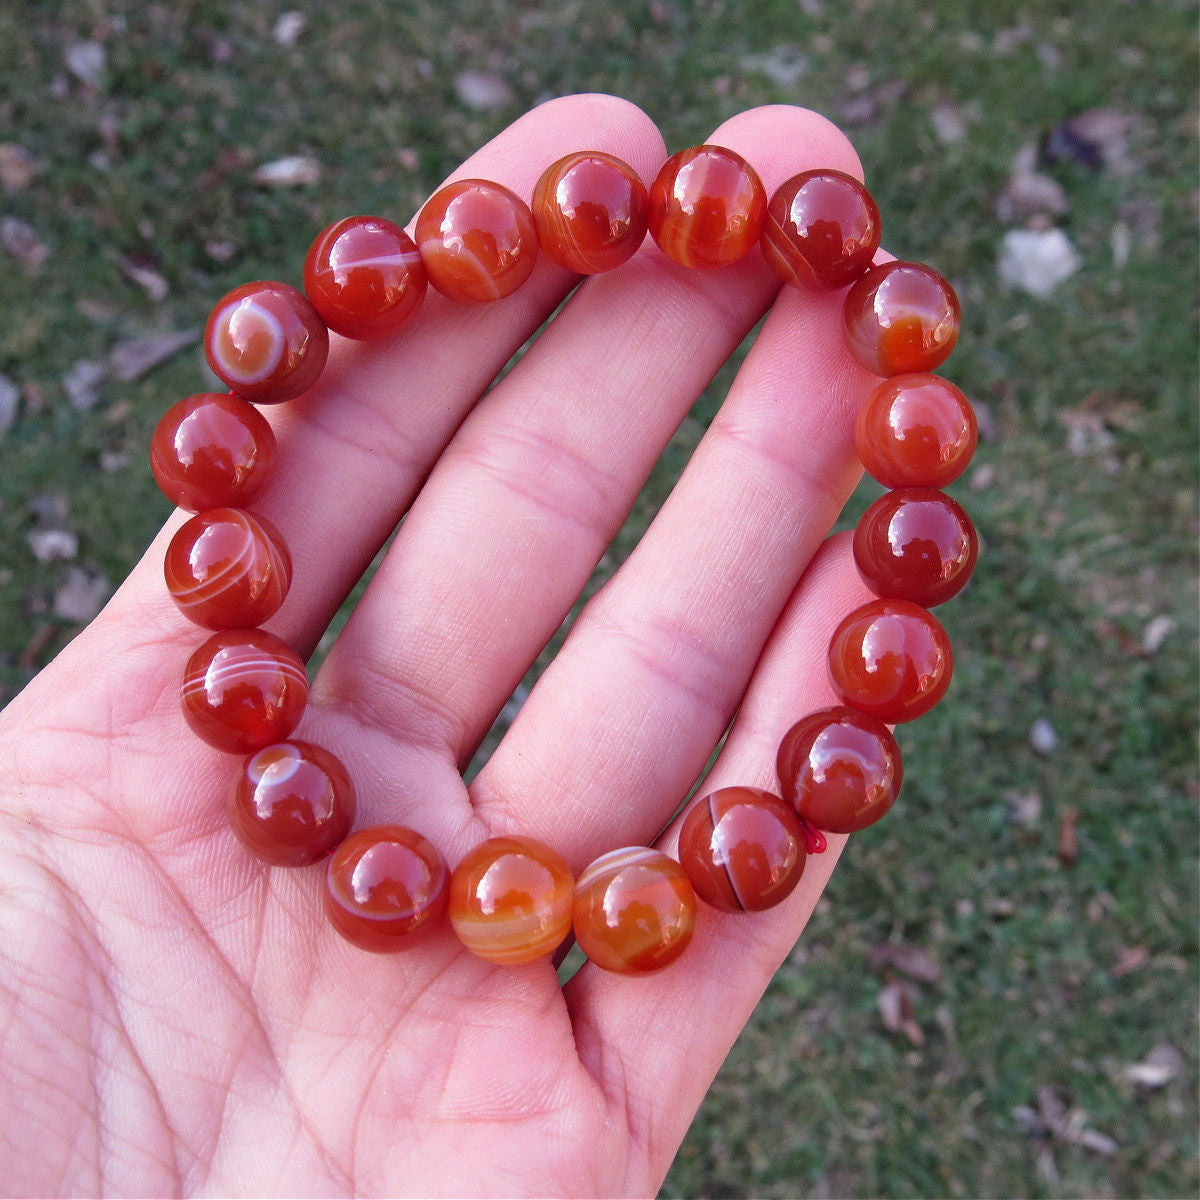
212 451
916 431
243 689
707 207
590 212
364 277
822 230
635 911
510 900
228 569
901 317
265 341
385 888
916 544
742 848
840 769
293 803
477 240
892 659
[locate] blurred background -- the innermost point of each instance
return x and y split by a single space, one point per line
998 994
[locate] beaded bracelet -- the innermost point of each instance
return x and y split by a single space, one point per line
513 899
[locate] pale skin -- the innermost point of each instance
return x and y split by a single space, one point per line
176 1017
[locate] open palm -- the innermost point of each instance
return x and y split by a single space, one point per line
176 1017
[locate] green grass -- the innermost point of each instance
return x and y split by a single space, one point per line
1083 551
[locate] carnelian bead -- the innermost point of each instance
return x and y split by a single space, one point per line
477 240
916 544
635 911
707 207
228 569
212 451
293 803
265 341
510 900
385 888
892 659
840 769
742 848
901 317
916 431
244 689
590 212
822 230
364 276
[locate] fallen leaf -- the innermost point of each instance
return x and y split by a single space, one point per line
1129 959
81 595
17 167
480 90
133 359
1037 260
1097 138
86 61
292 171
20 239
895 1007
1068 836
146 277
1157 1069
784 65
913 961
948 125
82 383
1028 194
1157 630
10 396
1024 808
53 545
1093 1139
288 27
1043 737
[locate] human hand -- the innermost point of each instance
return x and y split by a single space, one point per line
179 1018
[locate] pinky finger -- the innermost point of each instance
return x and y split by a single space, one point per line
655 1044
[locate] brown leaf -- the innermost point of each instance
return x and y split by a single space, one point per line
913 961
133 359
1158 1068
17 167
20 239
895 1007
1129 959
1068 836
146 277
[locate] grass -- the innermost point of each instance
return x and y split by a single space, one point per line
1053 978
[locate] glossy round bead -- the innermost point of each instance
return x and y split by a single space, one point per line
265 341
244 689
293 803
228 569
822 230
510 900
901 317
477 240
385 888
916 544
635 911
916 431
892 659
364 277
590 212
742 848
707 207
840 769
212 451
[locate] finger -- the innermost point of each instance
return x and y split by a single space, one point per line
534 486
355 450
623 722
667 1035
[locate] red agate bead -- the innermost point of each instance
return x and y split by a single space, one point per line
228 569
635 911
385 888
892 659
916 544
244 689
707 207
510 900
901 317
590 212
265 341
364 277
477 240
293 803
840 769
822 230
916 431
742 848
212 451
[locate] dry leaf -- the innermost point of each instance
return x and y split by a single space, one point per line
146 277
133 359
1037 260
288 27
10 396
1157 630
913 961
895 1007
1043 737
292 171
17 167
86 61
82 383
52 545
1158 1068
1024 808
948 124
477 89
1129 959
81 595
20 239
1068 836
